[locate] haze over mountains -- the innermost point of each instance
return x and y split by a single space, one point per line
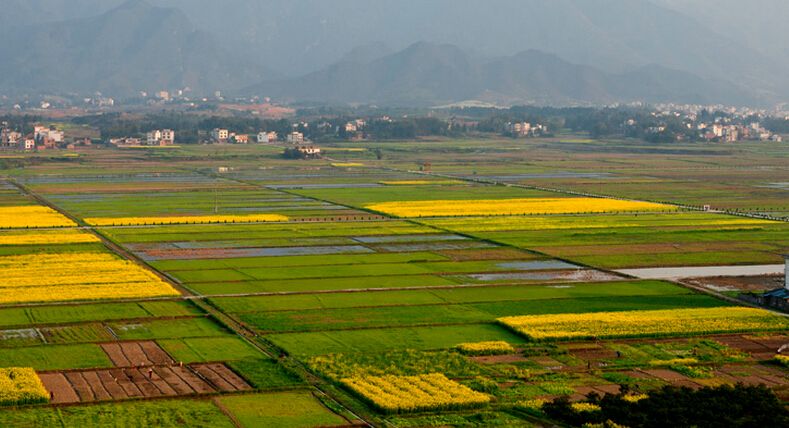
422 52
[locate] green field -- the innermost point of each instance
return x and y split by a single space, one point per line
643 240
374 340
297 409
167 413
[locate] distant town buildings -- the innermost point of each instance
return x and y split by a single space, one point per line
220 135
525 129
267 137
309 151
160 137
99 101
731 133
125 141
295 138
47 133
239 139
42 137
225 136
9 139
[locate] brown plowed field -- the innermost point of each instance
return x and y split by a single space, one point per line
133 354
144 382
221 376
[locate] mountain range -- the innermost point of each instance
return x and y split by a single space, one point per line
429 74
405 51
134 47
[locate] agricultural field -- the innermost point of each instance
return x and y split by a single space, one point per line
143 199
445 283
614 241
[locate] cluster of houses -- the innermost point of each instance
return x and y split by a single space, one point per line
354 130
225 136
156 137
42 138
525 129
731 133
300 149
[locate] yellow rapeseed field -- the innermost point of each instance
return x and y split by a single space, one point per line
585 407
75 276
482 207
61 236
32 216
139 221
781 359
672 322
20 386
419 182
395 394
497 347
557 222
346 164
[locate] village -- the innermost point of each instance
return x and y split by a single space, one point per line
659 125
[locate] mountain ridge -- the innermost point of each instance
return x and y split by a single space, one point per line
131 48
429 74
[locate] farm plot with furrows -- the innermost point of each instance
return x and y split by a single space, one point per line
141 382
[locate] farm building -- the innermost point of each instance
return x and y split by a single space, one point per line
778 298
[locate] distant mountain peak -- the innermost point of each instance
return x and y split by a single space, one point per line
131 48
437 73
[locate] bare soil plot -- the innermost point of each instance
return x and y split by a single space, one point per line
739 283
594 354
756 349
132 354
221 376
60 388
668 376
146 382
499 359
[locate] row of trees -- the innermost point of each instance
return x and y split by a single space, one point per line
189 128
725 406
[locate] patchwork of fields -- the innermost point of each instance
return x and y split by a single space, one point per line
350 291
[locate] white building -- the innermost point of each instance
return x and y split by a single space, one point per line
160 137
263 137
310 151
41 133
14 137
153 137
295 138
220 135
